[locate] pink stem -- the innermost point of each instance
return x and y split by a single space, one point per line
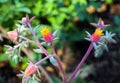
47 57
37 41
81 63
59 64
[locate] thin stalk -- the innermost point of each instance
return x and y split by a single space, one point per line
39 62
59 64
81 62
37 41
43 49
27 39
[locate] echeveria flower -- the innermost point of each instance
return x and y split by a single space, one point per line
30 69
13 35
100 24
47 35
96 35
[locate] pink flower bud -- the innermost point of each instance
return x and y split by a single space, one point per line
25 20
47 35
96 35
30 69
13 35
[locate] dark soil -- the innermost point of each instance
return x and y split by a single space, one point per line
8 74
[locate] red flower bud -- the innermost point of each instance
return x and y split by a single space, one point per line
13 35
96 35
47 35
30 69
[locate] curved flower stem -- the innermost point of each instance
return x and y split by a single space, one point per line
38 63
81 63
59 64
37 41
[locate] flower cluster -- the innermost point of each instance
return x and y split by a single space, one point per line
99 39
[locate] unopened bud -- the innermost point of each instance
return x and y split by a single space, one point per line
25 21
13 35
30 69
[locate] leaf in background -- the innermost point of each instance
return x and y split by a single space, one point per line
78 80
19 7
56 80
33 81
3 1
23 9
55 32
37 8
83 2
13 63
108 1
3 57
117 20
38 50
24 61
36 28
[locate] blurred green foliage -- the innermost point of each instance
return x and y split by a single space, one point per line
58 14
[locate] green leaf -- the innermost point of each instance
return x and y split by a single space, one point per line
53 61
55 32
13 63
78 80
108 1
24 61
33 81
3 57
38 50
3 1
36 28
23 9
83 2
56 80
37 8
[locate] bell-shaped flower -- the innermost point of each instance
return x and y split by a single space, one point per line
47 35
30 69
100 24
13 35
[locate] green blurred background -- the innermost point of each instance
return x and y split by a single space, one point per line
72 18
